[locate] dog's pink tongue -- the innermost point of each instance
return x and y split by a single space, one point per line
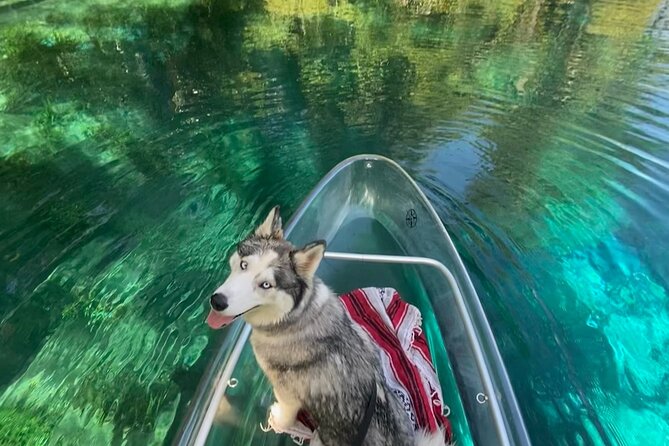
216 320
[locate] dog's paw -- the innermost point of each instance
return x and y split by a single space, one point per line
282 418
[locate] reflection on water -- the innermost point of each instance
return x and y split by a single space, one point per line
139 140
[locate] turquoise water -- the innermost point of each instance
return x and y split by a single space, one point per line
140 140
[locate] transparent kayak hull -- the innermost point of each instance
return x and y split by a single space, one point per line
369 205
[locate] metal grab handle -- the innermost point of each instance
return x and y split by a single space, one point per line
470 330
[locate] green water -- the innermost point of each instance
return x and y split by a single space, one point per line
140 140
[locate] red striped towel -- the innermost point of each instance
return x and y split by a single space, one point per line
395 327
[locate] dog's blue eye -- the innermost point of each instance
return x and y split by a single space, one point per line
265 285
243 265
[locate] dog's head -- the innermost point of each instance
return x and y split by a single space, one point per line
268 278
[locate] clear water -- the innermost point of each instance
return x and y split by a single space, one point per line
139 140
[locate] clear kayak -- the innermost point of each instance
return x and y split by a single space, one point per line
381 231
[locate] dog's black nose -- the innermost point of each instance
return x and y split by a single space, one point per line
219 302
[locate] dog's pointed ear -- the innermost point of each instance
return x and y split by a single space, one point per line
271 227
307 259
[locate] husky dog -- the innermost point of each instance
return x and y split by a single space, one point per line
314 356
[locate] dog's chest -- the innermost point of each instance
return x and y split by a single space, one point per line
262 354
288 359
273 354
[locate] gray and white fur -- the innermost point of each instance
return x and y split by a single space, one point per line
315 357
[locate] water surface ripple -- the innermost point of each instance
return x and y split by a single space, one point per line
140 140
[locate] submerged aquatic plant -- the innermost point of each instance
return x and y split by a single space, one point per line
138 137
22 427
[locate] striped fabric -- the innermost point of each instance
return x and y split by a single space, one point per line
395 327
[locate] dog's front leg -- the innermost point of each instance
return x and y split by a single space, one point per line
283 413
316 440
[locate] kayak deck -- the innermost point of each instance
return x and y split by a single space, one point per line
369 205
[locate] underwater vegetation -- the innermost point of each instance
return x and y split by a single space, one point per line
140 140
